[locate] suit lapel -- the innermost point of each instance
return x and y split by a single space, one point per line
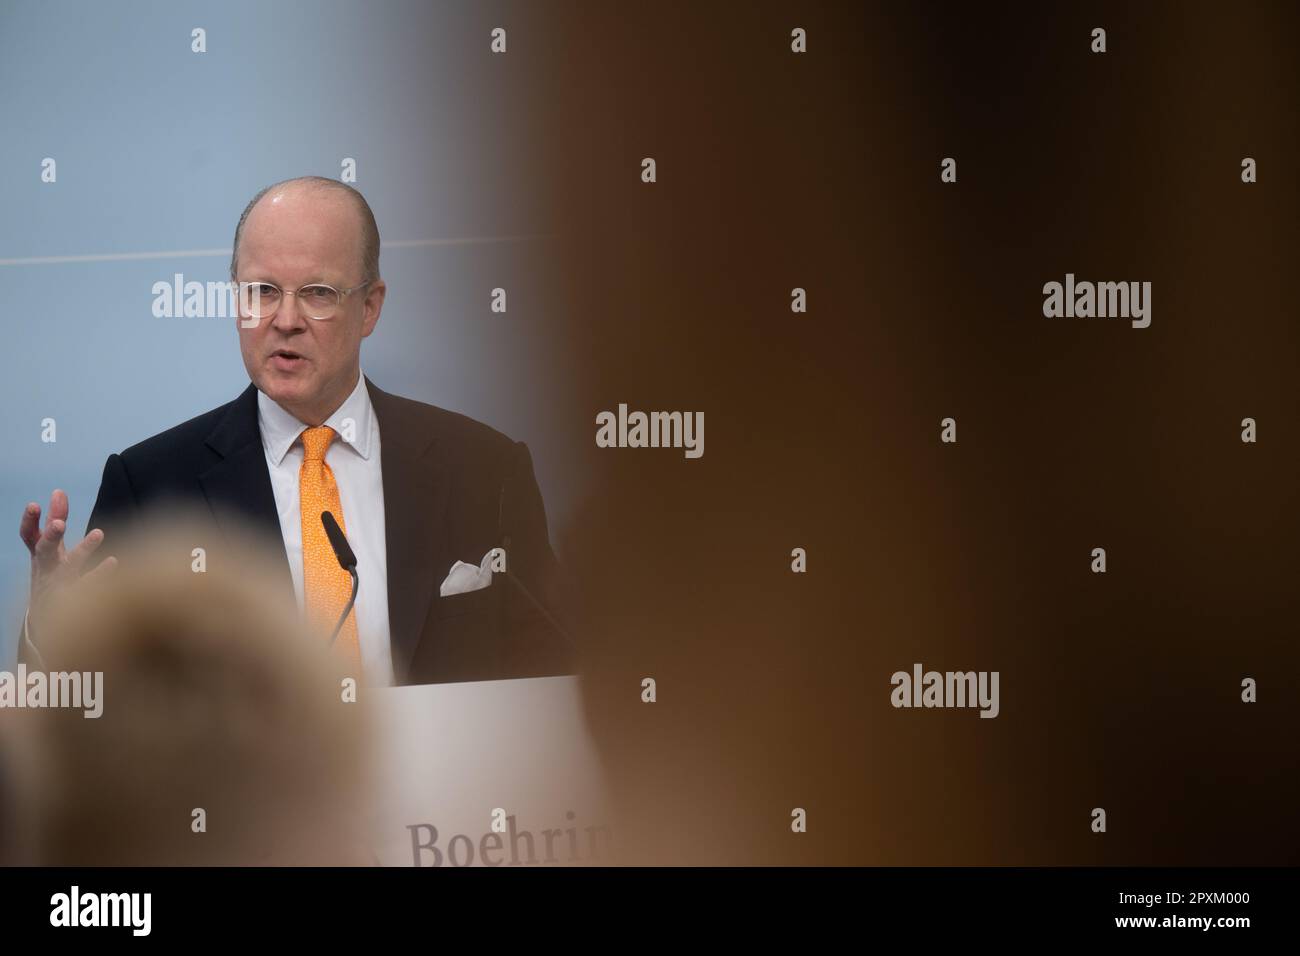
240 482
415 499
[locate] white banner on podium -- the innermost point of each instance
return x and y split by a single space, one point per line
492 773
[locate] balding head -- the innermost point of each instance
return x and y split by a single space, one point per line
319 187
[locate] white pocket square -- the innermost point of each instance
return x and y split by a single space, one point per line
465 577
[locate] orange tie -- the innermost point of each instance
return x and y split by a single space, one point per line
326 586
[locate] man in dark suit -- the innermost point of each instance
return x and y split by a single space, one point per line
442 489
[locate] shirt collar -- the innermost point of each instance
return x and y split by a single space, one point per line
280 428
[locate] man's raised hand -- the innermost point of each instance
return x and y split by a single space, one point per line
53 566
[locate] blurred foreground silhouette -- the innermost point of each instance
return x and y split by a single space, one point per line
215 699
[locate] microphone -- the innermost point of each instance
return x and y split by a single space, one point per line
347 561
338 541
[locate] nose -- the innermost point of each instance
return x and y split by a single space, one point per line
288 316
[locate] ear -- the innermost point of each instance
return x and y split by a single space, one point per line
374 304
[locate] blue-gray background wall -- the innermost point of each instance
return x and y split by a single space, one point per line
158 149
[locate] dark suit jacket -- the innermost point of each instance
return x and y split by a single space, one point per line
453 489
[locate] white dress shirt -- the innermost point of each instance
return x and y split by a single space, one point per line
357 471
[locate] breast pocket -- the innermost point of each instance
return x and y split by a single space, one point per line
466 602
464 643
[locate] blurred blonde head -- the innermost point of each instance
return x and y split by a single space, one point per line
215 699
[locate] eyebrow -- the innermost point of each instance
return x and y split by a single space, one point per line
263 277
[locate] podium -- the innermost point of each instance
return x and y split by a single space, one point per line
491 773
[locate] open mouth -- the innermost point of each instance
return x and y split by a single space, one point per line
286 358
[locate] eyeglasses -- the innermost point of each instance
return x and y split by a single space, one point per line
259 300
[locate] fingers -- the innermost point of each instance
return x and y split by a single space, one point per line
49 547
78 555
58 506
29 529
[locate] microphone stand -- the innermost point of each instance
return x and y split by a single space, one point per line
356 582
347 561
